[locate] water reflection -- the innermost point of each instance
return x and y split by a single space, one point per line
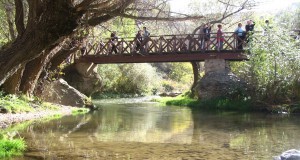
145 130
148 124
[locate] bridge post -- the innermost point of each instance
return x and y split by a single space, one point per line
189 43
219 81
121 51
174 44
161 44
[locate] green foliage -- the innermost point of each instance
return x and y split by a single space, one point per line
290 18
177 76
125 28
15 104
181 72
78 111
274 66
129 78
50 106
9 148
223 104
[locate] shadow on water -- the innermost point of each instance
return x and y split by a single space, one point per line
129 129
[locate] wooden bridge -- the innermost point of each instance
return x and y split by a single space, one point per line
166 48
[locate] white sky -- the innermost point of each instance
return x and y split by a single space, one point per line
265 5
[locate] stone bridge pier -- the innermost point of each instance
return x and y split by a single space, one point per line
219 81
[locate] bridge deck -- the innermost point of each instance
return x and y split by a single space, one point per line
170 48
171 57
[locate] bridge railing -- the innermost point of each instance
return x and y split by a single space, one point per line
166 44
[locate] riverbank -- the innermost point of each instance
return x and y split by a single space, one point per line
7 119
223 104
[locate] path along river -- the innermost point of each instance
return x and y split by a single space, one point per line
131 129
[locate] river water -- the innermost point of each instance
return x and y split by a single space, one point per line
128 129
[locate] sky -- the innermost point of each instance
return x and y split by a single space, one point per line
264 5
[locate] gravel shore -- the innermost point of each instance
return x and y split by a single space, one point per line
8 119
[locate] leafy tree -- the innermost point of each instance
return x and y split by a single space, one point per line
273 69
130 78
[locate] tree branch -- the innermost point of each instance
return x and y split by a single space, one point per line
157 18
19 17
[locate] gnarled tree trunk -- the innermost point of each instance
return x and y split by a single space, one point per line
35 67
42 30
12 85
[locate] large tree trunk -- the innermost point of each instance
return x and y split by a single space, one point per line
19 17
35 67
44 30
196 76
12 85
32 72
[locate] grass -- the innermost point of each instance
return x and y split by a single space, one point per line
15 104
11 147
222 104
78 111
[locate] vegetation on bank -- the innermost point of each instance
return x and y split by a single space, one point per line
11 103
11 147
132 80
223 104
10 143
226 104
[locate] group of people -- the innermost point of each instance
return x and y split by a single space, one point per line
241 35
141 39
244 35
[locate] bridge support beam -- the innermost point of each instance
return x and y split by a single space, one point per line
218 81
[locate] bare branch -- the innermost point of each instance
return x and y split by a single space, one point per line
157 18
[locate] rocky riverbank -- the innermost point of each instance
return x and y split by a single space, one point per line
7 119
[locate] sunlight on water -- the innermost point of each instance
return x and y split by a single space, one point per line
135 130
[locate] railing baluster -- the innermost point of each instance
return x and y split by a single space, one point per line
160 44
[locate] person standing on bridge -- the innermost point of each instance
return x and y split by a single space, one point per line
220 38
146 35
206 32
138 40
240 36
249 30
113 42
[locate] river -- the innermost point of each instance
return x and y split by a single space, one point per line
130 129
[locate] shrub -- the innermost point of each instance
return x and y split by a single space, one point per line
130 78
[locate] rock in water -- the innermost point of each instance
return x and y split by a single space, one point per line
292 154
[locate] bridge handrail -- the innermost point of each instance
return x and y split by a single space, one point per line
183 43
